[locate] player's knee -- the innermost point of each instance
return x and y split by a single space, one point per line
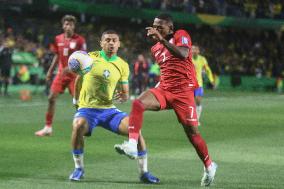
138 105
79 125
190 129
51 98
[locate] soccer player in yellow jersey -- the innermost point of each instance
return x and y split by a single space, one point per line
200 64
94 92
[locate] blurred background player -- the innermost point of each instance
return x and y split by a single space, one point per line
6 51
201 65
140 75
65 44
95 91
175 91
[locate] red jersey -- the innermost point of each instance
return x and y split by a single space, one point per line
177 75
66 46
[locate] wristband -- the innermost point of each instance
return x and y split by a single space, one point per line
75 102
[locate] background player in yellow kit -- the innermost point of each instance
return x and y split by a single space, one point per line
95 90
200 64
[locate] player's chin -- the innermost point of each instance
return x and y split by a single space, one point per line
153 38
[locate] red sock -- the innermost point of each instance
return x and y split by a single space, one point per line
48 119
135 119
201 149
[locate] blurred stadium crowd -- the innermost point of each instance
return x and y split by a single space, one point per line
228 50
237 8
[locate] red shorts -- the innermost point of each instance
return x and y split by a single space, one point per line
60 83
182 103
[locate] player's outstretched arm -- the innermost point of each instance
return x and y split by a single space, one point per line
180 52
122 94
78 86
52 68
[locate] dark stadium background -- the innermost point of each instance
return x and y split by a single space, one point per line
242 119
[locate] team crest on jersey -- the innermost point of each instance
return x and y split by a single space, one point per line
106 74
184 40
72 44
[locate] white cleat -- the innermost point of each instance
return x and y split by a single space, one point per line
128 149
46 131
209 174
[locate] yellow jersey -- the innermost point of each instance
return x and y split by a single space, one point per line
200 64
99 83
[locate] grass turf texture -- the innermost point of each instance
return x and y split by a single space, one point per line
244 132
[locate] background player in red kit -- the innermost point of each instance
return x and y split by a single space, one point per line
175 91
65 44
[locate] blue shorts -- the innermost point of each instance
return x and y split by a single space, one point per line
107 118
199 91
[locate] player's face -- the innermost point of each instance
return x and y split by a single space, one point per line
195 50
68 27
164 28
110 43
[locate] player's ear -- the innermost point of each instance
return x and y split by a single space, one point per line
101 43
171 28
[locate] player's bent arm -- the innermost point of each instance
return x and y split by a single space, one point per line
209 73
78 86
123 94
125 91
52 67
180 52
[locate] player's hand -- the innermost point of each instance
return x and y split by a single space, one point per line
66 71
120 97
48 76
154 33
75 103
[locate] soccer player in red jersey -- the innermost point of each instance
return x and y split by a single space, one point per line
65 44
175 91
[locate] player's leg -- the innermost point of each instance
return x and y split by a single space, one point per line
142 159
200 146
85 120
47 130
6 77
185 110
198 93
80 129
146 101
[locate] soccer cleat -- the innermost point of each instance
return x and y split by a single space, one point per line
148 178
127 149
46 131
77 174
209 174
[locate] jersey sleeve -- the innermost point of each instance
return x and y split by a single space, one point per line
124 73
83 44
182 39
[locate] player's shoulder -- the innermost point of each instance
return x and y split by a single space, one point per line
78 37
202 57
94 54
181 32
155 46
121 61
59 36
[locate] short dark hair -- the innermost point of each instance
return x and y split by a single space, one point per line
110 31
165 16
69 18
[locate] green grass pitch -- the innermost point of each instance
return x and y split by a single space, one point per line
244 132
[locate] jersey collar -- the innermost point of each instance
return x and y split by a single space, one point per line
103 54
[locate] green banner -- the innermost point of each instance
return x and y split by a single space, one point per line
148 14
24 58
